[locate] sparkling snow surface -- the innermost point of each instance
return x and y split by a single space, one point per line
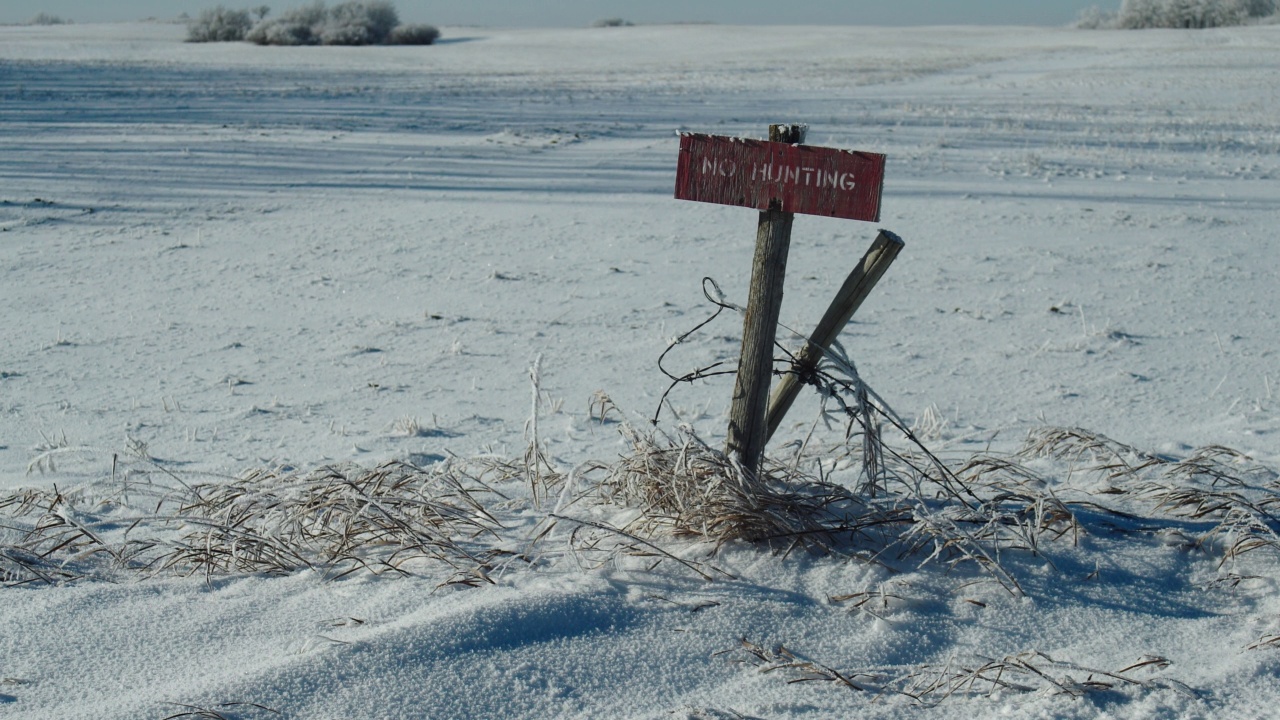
233 257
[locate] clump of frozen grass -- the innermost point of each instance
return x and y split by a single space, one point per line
20 561
1186 14
1233 500
685 488
1238 498
219 24
901 500
395 518
930 425
61 545
337 520
409 426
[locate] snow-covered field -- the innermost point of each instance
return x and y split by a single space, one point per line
215 258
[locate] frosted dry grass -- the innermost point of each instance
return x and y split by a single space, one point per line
684 488
335 520
675 500
1232 499
221 711
901 500
30 553
668 498
1026 672
338 520
666 494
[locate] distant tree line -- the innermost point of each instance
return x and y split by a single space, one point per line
47 19
1138 14
374 22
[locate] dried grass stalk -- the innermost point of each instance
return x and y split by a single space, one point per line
395 518
684 488
336 520
1024 672
1218 485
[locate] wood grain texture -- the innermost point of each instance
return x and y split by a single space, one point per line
746 436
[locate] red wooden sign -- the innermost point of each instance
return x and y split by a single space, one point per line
793 178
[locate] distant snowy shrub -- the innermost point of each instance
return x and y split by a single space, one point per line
359 23
1140 14
279 32
414 35
298 26
373 22
219 25
1206 13
1095 18
612 22
47 19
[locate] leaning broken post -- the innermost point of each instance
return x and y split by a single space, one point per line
747 428
847 301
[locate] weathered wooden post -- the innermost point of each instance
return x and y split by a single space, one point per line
779 177
747 436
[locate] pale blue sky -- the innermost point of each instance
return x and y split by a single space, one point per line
578 13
